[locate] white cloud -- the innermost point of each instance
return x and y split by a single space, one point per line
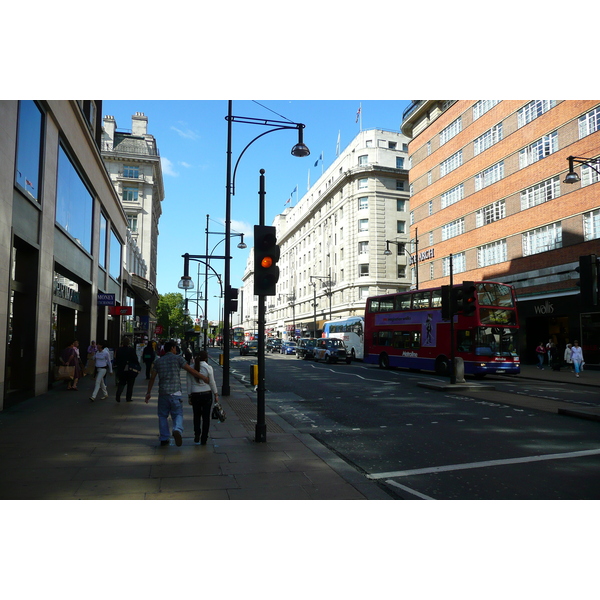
186 133
167 167
184 164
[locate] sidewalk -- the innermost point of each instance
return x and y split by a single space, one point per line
61 446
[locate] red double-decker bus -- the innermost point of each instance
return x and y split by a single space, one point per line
407 330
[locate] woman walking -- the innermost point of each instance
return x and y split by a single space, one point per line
541 352
577 357
200 396
103 364
70 358
148 356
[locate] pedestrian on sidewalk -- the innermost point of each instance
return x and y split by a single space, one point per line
569 357
200 396
148 356
168 368
541 353
577 356
70 358
127 367
103 364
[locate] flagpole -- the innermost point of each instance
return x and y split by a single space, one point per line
360 116
322 163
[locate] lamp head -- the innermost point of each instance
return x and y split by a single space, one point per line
242 245
387 251
572 177
300 149
186 283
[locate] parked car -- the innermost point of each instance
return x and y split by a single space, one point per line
288 347
331 350
273 345
306 348
250 347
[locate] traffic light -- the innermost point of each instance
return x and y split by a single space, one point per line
446 302
231 299
469 304
266 255
588 279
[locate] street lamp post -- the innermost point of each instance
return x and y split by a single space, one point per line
321 277
299 150
572 177
388 252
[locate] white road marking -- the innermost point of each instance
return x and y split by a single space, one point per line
409 490
483 464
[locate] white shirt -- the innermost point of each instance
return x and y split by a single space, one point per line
102 358
193 387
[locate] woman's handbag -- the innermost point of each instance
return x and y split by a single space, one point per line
65 373
218 412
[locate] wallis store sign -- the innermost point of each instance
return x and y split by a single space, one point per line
544 309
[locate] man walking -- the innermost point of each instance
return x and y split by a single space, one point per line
168 368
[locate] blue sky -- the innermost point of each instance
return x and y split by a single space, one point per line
192 139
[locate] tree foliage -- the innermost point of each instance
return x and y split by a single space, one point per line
170 314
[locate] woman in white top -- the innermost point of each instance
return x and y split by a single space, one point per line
200 397
103 364
577 357
568 357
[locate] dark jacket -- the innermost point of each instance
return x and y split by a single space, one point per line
148 354
126 359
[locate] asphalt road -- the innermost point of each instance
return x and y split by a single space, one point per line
421 443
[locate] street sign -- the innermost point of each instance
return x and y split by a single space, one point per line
120 310
106 299
158 330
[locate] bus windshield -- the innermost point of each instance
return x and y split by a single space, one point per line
494 294
488 341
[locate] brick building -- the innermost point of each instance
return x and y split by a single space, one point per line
487 187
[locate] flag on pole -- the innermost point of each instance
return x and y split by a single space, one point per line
337 147
287 201
318 159
358 113
308 184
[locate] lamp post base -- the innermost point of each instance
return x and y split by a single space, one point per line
261 433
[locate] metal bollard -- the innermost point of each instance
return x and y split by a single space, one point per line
254 374
220 360
459 369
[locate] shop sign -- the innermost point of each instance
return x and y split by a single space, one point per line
544 309
425 255
120 310
106 299
66 292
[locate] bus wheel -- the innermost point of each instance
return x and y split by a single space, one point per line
384 361
442 366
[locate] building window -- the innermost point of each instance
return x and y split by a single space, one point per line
429 178
116 250
492 254
431 238
589 122
490 213
363 247
451 163
591 225
401 271
392 145
540 193
431 271
363 203
363 225
533 110
29 148
132 223
450 230
130 194
458 264
588 176
363 184
538 150
451 196
449 132
542 239
401 249
482 106
102 251
131 172
400 226
430 207
400 205
428 148
489 176
400 184
363 160
363 270
488 139
74 202
399 162
363 292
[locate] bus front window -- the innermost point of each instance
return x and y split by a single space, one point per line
496 341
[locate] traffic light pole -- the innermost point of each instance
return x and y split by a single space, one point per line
261 424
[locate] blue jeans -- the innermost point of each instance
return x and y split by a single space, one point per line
169 404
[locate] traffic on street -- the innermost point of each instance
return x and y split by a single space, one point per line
489 441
